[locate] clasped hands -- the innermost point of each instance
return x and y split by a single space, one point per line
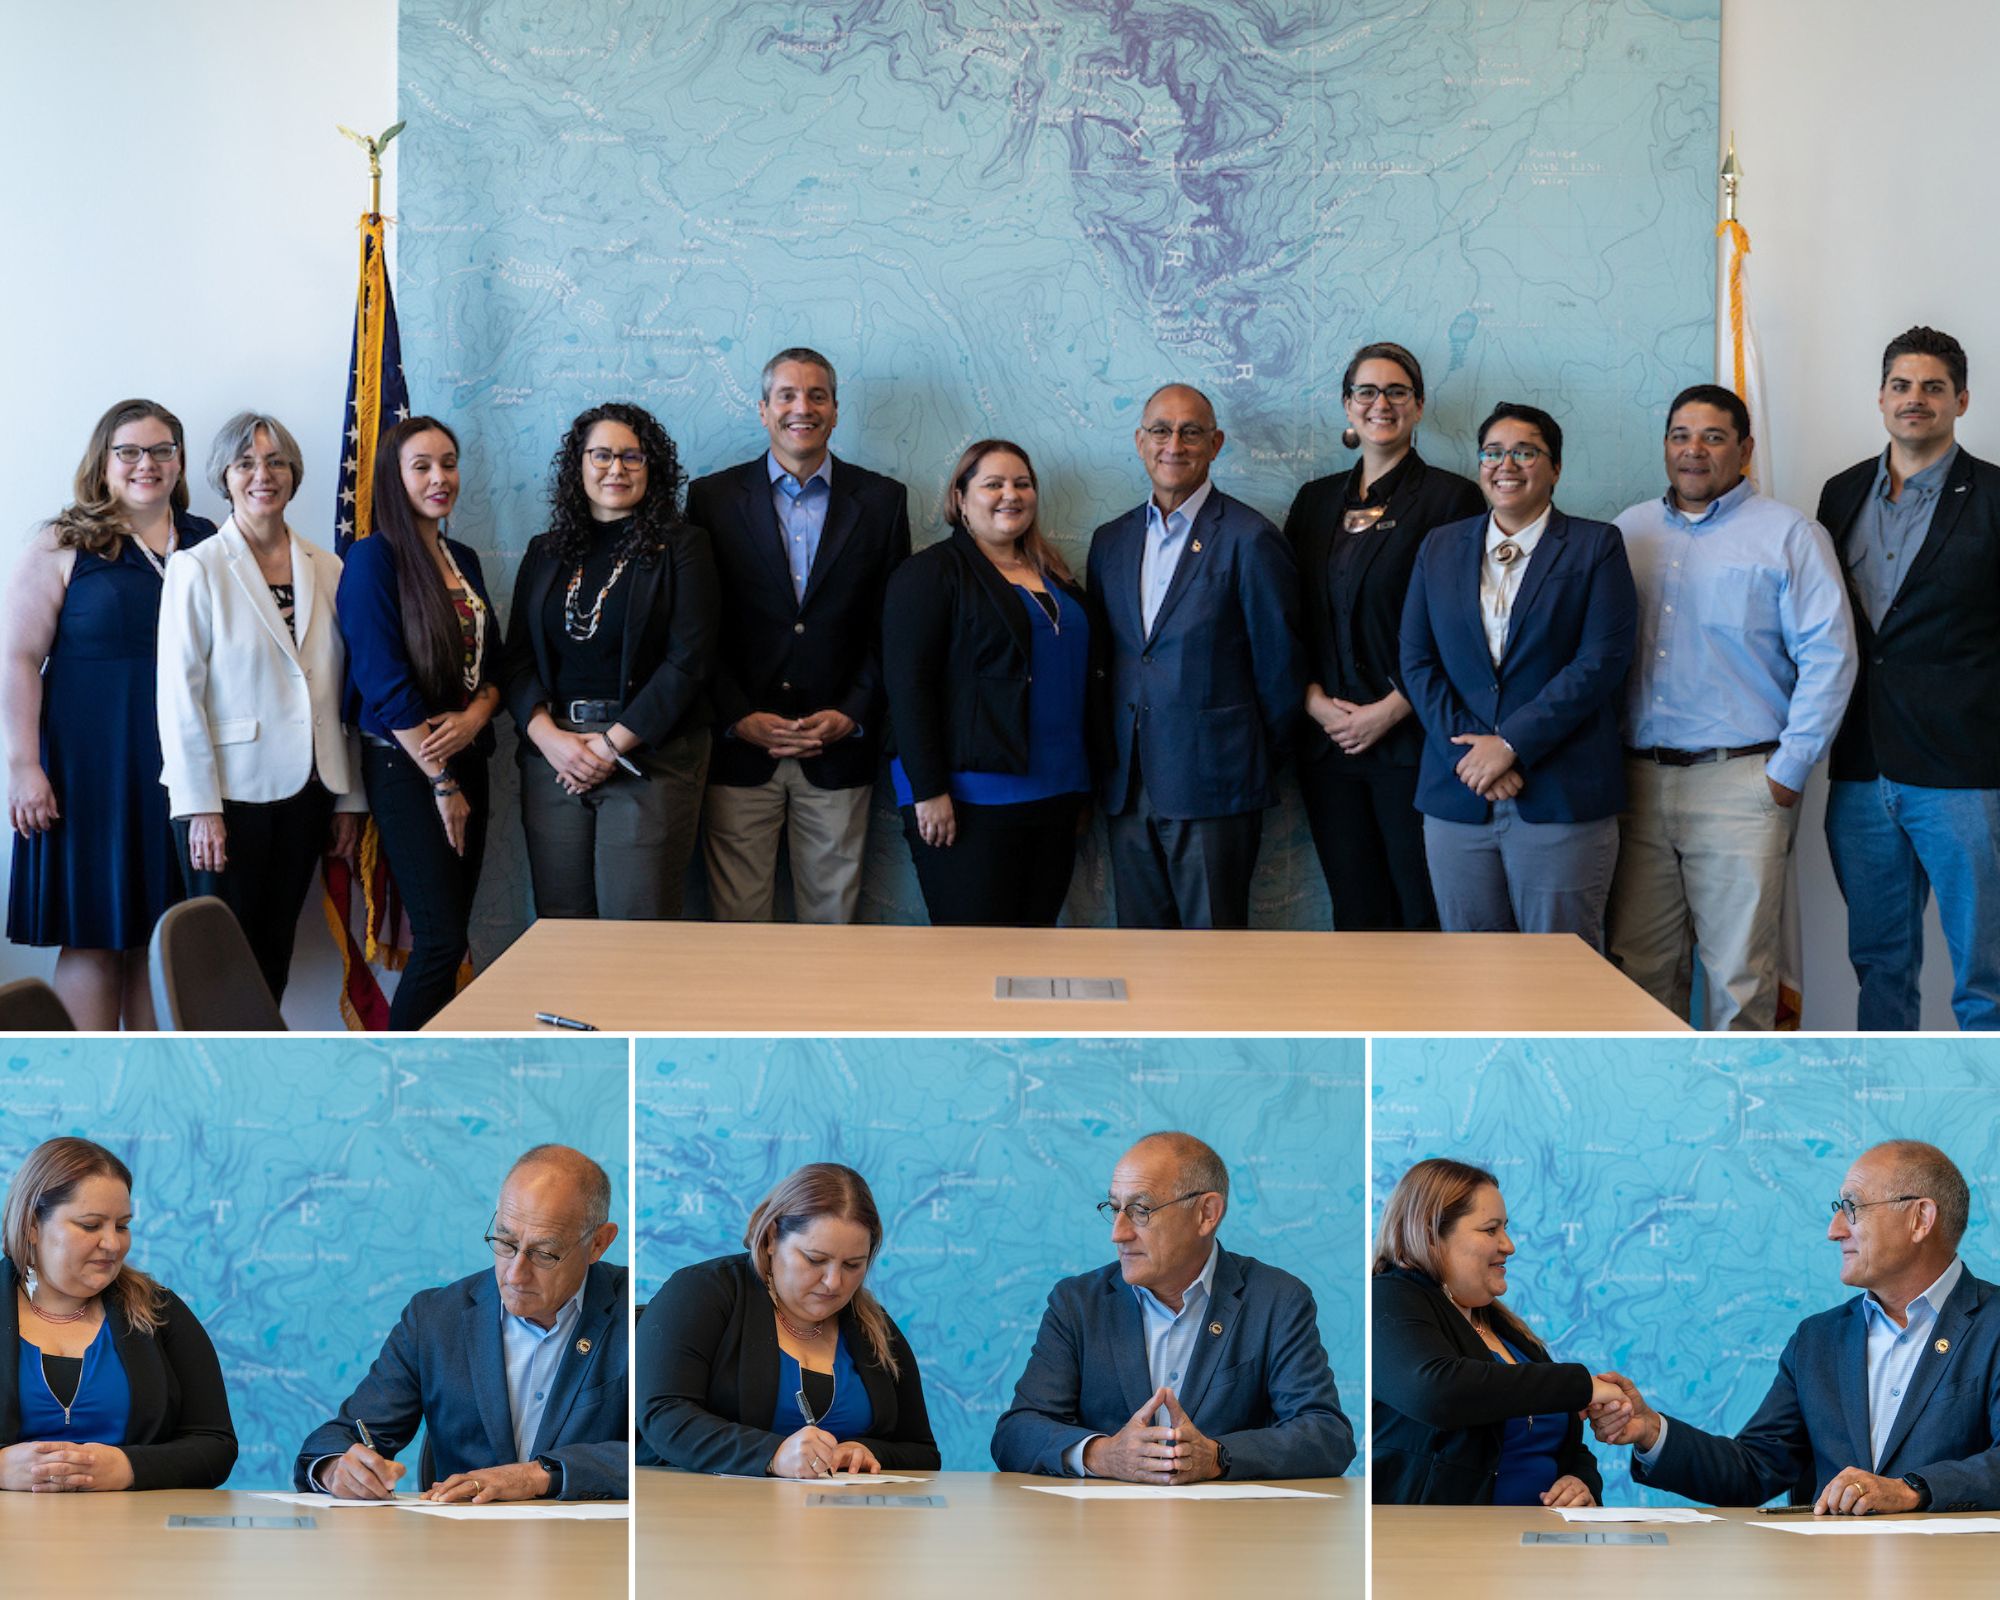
54 1466
1140 1452
364 1474
798 737
1487 768
815 1453
1352 725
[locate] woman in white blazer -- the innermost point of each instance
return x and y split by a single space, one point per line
261 777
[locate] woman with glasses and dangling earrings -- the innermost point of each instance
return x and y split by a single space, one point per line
779 1361
1517 635
422 667
94 860
610 645
1355 535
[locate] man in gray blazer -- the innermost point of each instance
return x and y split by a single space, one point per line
1182 1362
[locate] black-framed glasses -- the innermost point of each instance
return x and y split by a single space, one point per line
1397 394
631 460
541 1260
1137 1212
158 454
1844 1207
1187 432
1522 455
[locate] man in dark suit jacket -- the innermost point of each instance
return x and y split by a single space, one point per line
1183 1362
804 545
1198 595
1890 1402
1914 804
517 1375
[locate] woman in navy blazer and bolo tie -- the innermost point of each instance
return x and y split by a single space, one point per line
1517 634
779 1362
422 649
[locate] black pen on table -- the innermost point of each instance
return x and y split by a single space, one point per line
1784 1511
551 1019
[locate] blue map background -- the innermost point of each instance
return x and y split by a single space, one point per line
986 1156
997 217
296 1192
1669 1199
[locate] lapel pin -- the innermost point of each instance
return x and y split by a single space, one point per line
583 1347
1386 525
1943 1345
1215 1327
1197 547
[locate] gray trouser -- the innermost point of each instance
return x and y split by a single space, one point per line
1511 876
619 851
1182 872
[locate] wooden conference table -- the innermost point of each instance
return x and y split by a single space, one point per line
1422 1552
120 1544
992 1538
710 977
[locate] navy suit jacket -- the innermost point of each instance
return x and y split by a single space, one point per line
1814 1422
444 1367
1260 1387
381 693
1556 693
1205 703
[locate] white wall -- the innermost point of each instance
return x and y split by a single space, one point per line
188 215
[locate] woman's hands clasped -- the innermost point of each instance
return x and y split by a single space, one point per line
54 1466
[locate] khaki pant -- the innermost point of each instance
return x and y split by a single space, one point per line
829 832
1701 877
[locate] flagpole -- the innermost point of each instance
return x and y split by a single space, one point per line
374 147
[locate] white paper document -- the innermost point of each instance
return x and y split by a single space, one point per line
832 1477
322 1502
529 1511
1174 1491
1633 1514
1877 1525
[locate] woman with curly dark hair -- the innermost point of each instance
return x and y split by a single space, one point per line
609 646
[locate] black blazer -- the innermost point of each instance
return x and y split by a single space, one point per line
666 656
1442 1401
179 1435
956 650
1425 497
1923 707
795 656
708 1358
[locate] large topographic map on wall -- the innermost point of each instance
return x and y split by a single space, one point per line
1006 217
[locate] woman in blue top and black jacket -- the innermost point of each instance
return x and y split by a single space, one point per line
986 656
422 649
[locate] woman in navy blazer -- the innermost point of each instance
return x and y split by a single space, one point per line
1517 634
421 651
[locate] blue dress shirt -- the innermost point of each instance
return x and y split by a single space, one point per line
532 1354
1529 1448
1744 631
1170 1342
1893 1352
850 1416
1166 543
801 509
1888 533
99 1412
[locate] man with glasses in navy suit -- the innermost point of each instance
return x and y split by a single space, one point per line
517 1374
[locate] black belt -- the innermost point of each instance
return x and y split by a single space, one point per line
1695 758
594 710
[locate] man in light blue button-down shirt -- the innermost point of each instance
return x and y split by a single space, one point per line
1744 663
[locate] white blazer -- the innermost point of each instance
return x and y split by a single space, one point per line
246 713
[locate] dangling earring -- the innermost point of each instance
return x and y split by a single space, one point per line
1349 438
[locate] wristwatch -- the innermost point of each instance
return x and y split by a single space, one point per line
1923 1490
1221 1459
554 1469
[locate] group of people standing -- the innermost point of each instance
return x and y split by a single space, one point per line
1514 719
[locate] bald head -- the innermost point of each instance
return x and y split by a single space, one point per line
563 1179
1180 395
1195 1165
1914 1168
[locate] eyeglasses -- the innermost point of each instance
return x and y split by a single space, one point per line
601 458
1187 432
1844 1207
1137 1212
1397 394
1522 455
158 454
541 1260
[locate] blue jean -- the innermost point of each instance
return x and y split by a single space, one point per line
1892 844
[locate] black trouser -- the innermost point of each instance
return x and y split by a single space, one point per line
434 882
1370 838
271 848
1010 866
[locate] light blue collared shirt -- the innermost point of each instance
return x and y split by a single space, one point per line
533 1354
1171 1337
1744 631
1166 543
1893 1354
801 509
1889 533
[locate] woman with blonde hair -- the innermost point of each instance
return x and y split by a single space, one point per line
779 1361
94 863
107 1381
1469 1409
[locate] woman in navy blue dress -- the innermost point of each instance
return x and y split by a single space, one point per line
94 860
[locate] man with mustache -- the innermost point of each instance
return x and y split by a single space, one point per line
1744 664
1915 799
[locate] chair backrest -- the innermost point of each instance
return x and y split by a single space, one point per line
205 977
28 1005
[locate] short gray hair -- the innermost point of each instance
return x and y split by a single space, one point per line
238 435
1201 1168
593 1184
799 352
1925 1171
